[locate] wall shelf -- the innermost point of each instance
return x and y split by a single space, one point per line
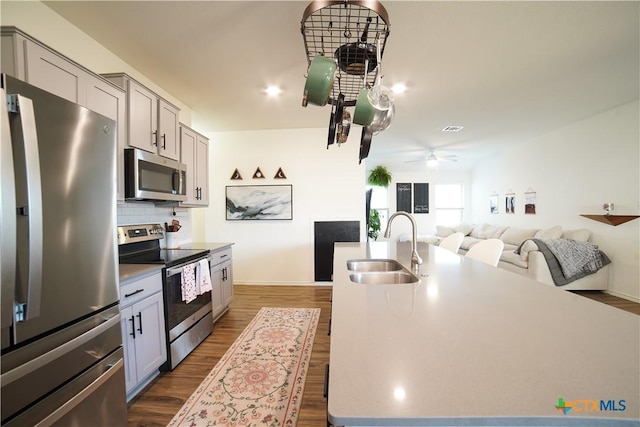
611 219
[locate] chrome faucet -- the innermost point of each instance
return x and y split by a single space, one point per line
415 258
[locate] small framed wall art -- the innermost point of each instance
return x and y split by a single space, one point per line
530 202
510 203
493 203
421 198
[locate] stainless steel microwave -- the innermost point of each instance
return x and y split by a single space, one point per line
148 176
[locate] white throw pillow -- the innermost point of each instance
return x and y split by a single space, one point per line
477 230
515 236
492 232
463 228
444 231
549 233
581 235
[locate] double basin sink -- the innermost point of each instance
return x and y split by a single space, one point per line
379 272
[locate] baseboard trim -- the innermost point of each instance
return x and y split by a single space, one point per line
621 295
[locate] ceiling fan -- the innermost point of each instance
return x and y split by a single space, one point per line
433 158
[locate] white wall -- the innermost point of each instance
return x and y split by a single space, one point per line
328 185
574 170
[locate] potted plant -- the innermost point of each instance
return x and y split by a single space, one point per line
380 176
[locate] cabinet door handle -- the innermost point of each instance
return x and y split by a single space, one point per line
133 328
325 392
155 138
224 274
164 142
140 322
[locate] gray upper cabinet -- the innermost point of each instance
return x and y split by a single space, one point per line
152 122
194 152
29 60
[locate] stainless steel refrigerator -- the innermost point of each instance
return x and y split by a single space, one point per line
61 361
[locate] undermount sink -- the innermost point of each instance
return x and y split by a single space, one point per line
371 265
384 278
379 272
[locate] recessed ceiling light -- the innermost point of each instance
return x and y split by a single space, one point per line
273 90
452 128
399 88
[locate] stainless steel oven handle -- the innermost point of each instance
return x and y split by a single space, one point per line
178 270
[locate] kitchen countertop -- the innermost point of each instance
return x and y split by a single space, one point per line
131 272
472 344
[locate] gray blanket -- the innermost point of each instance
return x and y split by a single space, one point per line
570 260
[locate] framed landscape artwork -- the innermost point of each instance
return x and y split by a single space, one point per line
259 202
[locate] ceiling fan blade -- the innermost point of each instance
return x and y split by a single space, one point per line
451 158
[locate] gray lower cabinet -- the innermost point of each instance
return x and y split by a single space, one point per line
143 331
221 281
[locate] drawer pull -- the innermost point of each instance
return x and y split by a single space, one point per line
133 293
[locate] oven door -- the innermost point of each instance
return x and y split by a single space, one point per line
180 316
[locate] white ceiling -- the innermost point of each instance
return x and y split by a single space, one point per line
506 71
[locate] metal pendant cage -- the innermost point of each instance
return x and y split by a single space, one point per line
349 32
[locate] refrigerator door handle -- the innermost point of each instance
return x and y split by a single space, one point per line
30 293
7 220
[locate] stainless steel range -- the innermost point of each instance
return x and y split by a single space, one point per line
187 324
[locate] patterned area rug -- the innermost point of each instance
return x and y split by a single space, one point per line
259 381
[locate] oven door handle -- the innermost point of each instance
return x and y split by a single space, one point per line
178 270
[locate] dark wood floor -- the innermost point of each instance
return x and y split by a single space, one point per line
623 304
156 404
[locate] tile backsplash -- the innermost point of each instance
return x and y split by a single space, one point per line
132 213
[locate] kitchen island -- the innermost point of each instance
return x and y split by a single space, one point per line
471 344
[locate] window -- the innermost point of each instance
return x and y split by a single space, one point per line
449 200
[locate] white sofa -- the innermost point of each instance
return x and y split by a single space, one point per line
530 261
